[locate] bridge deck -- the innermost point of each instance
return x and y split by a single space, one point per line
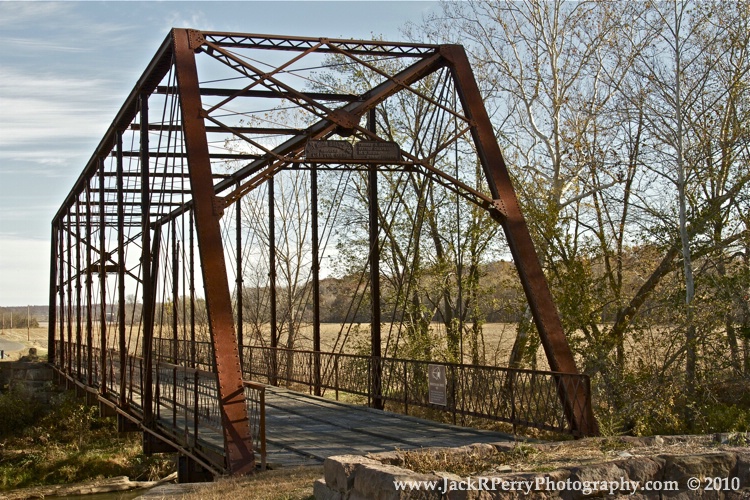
303 429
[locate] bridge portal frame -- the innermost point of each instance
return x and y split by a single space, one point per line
178 53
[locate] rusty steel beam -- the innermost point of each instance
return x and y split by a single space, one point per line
102 285
121 271
300 44
146 278
154 73
315 277
191 286
534 283
376 366
324 127
214 129
272 279
173 154
51 349
175 291
238 444
79 326
239 281
69 353
214 92
89 299
61 292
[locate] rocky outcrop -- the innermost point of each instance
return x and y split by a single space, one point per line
688 476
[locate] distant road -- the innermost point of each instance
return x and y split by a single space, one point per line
9 345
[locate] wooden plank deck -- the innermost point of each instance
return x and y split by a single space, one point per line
303 429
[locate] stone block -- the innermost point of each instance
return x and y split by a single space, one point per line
742 470
376 482
321 491
643 469
682 467
39 374
339 470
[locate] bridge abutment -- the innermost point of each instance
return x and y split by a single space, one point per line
190 471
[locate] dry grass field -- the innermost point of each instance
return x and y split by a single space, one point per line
33 337
498 339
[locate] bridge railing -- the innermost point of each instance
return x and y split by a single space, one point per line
185 399
528 398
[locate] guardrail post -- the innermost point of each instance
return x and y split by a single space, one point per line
453 392
195 409
336 374
405 386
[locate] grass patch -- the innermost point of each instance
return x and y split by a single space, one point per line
67 442
472 463
282 484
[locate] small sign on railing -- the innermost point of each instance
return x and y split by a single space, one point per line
437 384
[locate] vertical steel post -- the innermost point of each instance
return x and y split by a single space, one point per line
175 292
272 278
239 281
79 326
51 325
148 280
69 352
121 269
191 279
315 276
534 283
102 282
89 285
238 444
62 293
374 257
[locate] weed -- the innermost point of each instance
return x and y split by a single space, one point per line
71 443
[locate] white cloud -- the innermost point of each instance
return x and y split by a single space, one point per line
40 45
24 271
17 13
196 20
44 117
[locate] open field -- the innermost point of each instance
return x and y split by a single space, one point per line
34 337
498 339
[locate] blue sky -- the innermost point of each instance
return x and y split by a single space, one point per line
65 69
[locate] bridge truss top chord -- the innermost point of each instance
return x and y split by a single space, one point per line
189 185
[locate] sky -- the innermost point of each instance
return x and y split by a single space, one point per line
67 67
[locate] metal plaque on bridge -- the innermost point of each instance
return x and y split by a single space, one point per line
437 384
345 152
377 150
329 150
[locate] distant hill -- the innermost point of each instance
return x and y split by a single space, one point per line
41 313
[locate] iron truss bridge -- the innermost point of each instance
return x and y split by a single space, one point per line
175 256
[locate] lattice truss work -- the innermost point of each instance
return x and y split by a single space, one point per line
201 209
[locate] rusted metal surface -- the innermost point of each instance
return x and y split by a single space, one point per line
102 280
315 276
189 416
156 187
521 246
238 440
146 279
376 369
53 272
524 398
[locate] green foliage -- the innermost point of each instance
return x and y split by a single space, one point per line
18 410
69 443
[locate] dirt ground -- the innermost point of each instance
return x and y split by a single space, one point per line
34 337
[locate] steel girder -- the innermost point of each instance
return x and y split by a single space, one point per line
211 192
